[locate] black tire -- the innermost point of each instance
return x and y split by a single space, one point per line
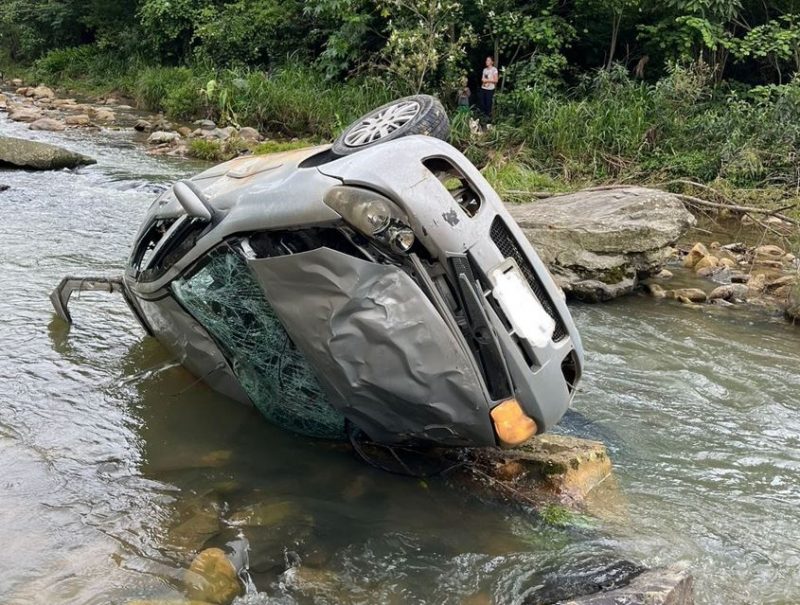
430 119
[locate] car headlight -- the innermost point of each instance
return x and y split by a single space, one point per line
373 215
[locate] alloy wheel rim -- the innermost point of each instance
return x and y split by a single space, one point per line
382 124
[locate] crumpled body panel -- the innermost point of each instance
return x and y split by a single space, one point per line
383 354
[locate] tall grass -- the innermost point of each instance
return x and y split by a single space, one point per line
607 128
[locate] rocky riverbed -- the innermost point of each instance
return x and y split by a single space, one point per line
43 110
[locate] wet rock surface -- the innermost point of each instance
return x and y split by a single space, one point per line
212 578
672 585
38 156
579 583
599 244
548 469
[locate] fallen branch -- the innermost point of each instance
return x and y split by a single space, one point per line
730 205
734 207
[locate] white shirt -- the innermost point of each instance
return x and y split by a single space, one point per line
489 73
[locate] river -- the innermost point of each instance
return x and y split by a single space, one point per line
115 462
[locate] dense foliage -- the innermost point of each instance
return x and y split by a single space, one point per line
589 89
424 43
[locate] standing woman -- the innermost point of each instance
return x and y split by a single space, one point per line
488 83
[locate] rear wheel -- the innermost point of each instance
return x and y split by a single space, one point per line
417 114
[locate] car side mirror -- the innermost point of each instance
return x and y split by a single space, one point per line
194 202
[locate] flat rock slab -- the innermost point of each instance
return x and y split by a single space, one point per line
21 153
672 585
599 243
548 469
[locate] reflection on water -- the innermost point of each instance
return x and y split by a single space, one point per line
117 465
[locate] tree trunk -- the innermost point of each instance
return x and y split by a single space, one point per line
615 24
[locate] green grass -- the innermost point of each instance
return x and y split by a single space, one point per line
608 129
278 146
216 151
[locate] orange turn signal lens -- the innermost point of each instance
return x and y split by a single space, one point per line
512 425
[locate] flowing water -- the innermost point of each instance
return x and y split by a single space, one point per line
116 464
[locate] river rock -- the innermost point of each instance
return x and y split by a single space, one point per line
249 134
707 262
694 295
785 280
25 114
159 137
38 156
101 114
212 578
673 585
196 521
80 119
696 254
16 82
656 291
730 292
548 468
205 124
47 124
598 244
41 92
769 252
63 103
3 102
597 577
757 284
143 126
271 514
184 131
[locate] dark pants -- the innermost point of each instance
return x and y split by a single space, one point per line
485 98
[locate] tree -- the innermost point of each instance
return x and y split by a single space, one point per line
426 44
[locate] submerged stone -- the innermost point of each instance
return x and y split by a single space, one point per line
603 577
268 514
197 521
212 578
672 585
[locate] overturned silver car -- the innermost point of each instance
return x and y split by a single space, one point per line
376 285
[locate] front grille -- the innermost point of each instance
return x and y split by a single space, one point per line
509 248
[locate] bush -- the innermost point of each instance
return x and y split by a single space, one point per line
174 90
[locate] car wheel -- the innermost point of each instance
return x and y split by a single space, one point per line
417 114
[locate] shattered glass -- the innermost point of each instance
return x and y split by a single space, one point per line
227 300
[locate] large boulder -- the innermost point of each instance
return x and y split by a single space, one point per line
38 156
599 243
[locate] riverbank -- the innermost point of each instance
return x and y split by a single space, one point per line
682 134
